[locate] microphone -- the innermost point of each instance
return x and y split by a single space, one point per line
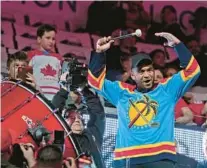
137 33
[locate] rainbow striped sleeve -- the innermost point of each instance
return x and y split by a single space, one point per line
96 79
179 83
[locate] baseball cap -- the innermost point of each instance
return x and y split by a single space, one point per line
140 58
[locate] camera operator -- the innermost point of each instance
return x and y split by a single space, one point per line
89 139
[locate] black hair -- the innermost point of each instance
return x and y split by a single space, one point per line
124 58
172 65
161 70
45 28
171 8
69 55
154 52
20 55
49 155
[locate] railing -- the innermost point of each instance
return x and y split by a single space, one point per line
189 139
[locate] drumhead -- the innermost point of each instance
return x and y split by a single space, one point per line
50 107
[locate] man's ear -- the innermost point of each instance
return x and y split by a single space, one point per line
133 75
39 40
8 69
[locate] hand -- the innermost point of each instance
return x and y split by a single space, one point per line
31 80
75 97
171 39
103 44
69 163
180 120
28 152
63 77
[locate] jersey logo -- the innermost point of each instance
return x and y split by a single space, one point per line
48 71
142 112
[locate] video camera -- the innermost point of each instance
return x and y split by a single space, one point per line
77 78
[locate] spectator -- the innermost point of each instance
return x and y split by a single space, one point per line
91 138
158 76
200 24
126 47
137 17
170 70
104 17
128 99
45 62
49 156
123 73
193 44
169 24
16 61
198 109
158 58
183 114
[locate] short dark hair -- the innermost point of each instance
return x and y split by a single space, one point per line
125 58
170 7
49 155
161 70
152 54
20 55
172 65
69 55
45 28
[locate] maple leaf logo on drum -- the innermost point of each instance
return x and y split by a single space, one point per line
48 71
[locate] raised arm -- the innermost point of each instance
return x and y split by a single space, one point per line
179 83
97 71
96 123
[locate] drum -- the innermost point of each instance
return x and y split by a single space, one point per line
23 108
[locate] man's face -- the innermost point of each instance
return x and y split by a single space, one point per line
14 66
47 41
194 47
127 64
159 59
75 122
144 77
158 76
170 72
169 16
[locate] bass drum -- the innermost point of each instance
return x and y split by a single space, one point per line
23 107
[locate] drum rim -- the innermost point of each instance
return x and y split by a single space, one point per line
50 106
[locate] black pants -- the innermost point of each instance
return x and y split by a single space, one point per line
159 164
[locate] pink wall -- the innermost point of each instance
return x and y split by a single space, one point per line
76 11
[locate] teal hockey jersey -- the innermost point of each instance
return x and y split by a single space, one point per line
137 141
